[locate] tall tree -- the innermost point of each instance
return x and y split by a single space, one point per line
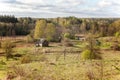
50 31
40 29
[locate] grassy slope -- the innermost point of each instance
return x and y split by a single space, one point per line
72 67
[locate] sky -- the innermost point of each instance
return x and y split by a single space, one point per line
61 8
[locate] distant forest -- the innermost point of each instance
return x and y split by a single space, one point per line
12 26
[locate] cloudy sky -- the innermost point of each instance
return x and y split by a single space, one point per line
60 8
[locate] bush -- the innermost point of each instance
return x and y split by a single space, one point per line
30 39
91 50
8 46
67 35
88 55
25 59
117 34
115 46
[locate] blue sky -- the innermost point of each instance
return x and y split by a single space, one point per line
60 8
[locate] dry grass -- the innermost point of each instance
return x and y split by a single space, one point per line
70 68
73 68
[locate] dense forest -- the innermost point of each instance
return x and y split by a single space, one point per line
55 27
11 26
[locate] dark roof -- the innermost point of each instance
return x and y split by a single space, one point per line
41 40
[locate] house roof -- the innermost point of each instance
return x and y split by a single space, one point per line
41 41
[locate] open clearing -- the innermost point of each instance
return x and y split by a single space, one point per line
50 63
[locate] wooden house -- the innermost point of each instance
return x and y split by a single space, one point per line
42 43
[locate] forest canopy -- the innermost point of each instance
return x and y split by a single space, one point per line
11 26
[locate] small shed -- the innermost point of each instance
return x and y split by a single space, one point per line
80 37
42 43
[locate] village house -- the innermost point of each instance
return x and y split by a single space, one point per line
42 43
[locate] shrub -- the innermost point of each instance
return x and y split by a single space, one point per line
88 55
30 39
67 35
115 46
8 46
117 34
92 51
25 59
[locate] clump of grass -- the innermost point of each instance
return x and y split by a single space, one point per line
21 72
16 71
25 59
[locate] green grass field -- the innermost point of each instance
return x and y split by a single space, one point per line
50 63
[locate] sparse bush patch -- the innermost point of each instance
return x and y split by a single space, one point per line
8 46
115 47
87 55
26 59
30 39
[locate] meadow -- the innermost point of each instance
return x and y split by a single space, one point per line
58 62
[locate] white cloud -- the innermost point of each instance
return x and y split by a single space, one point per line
104 3
35 2
4 6
61 7
69 3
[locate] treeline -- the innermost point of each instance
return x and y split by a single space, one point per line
10 26
8 19
99 26
69 26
